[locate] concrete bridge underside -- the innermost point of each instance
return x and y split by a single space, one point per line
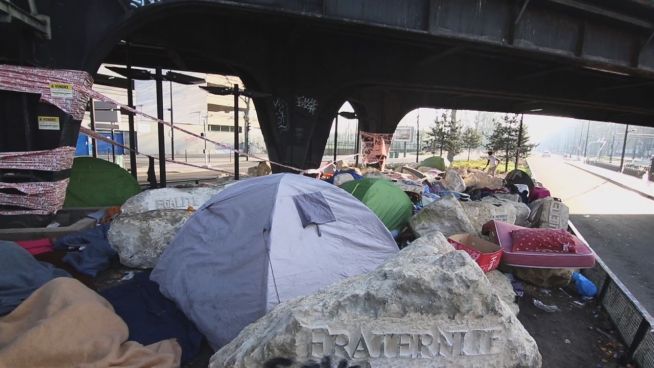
583 59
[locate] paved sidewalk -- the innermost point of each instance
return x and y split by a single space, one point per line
641 186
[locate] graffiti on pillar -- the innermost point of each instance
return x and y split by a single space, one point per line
280 109
308 104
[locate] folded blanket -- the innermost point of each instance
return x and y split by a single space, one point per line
65 324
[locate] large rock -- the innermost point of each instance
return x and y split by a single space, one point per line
480 212
480 179
445 216
453 181
522 211
263 168
169 199
428 306
508 196
502 286
140 238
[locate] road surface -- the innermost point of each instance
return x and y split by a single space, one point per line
618 223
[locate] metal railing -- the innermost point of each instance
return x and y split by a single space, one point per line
632 321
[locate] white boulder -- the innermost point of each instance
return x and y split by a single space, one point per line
428 306
453 181
445 216
140 238
169 199
480 212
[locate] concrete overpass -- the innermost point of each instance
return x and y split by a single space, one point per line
587 59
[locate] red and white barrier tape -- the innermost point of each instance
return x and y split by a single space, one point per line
70 90
66 89
37 197
101 97
57 159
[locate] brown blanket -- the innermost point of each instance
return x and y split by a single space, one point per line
65 324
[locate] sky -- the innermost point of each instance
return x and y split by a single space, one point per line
540 127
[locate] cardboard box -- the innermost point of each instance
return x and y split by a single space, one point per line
487 255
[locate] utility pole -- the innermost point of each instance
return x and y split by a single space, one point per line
587 134
172 131
236 147
624 147
94 152
418 137
246 120
336 136
160 130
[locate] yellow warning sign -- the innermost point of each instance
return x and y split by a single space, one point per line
61 90
49 123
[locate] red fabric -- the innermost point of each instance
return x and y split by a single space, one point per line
36 246
543 240
538 193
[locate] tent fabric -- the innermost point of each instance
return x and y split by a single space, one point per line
98 183
436 162
21 275
386 200
246 250
313 209
91 251
151 317
65 324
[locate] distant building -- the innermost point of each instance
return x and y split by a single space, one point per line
194 110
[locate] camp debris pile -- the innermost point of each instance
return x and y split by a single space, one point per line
351 267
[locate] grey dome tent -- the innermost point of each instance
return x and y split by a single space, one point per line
263 241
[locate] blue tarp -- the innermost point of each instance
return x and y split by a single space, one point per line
94 255
151 317
20 275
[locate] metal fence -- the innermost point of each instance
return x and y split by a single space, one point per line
630 318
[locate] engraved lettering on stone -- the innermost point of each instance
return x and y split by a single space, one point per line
176 203
341 342
434 343
425 341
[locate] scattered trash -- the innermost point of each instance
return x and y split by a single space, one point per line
128 276
565 292
518 286
606 334
567 341
546 308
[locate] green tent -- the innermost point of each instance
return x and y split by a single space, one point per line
436 162
98 183
386 200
